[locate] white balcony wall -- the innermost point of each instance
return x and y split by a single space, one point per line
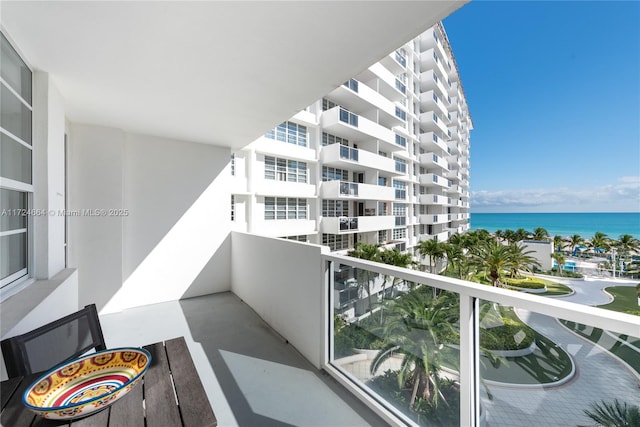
167 235
434 218
291 299
275 148
331 190
285 227
366 128
389 80
331 225
331 155
434 180
269 187
433 199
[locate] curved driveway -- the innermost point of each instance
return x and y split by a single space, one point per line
598 375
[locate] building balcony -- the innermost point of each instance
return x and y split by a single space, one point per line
433 180
360 99
395 63
348 157
434 219
433 199
433 160
429 101
432 142
430 81
353 190
245 351
440 237
343 122
430 123
385 80
357 224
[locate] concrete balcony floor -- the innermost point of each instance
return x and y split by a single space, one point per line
252 376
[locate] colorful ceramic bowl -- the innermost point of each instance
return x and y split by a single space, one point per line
87 384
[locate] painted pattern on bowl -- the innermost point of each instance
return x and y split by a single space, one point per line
87 384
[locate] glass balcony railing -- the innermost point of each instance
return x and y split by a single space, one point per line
348 117
348 153
401 59
442 351
348 223
352 84
348 188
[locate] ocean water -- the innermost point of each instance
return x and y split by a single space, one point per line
563 224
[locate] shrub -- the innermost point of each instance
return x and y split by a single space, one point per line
526 282
423 412
512 335
353 336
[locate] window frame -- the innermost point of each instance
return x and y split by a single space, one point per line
16 280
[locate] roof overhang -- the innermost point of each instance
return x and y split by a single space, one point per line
208 71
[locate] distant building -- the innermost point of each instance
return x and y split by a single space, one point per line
382 159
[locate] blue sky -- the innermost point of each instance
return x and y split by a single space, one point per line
553 88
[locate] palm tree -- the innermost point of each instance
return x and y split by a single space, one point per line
398 259
540 234
364 277
574 241
522 234
520 259
510 236
418 325
615 414
499 234
492 258
456 260
599 241
433 249
559 257
558 243
626 243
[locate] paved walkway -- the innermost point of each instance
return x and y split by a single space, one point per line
598 375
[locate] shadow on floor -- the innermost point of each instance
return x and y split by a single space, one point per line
264 379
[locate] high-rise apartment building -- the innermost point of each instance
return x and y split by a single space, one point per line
382 159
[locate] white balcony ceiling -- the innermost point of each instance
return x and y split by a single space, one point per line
214 72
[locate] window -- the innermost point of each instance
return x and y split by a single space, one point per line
336 242
233 164
401 165
382 236
401 140
233 207
289 132
401 114
401 189
16 163
284 208
327 105
382 181
328 139
334 174
352 84
285 170
335 208
399 209
399 233
301 238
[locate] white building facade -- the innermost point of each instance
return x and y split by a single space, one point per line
382 159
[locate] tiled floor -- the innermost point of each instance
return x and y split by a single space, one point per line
252 376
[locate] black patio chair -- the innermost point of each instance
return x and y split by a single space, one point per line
54 343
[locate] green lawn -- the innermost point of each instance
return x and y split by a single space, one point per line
625 299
